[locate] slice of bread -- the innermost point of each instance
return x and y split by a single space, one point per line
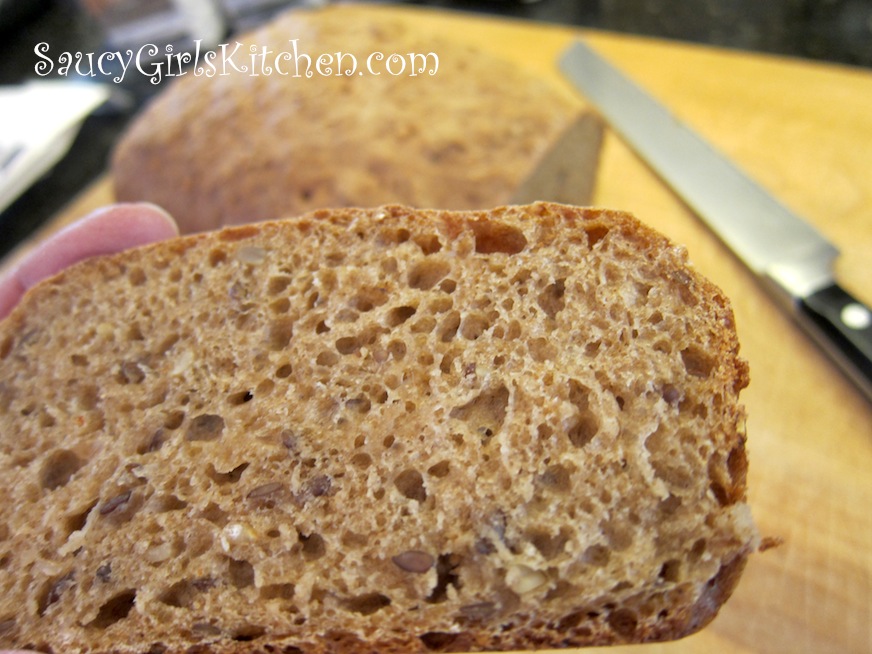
373 430
469 130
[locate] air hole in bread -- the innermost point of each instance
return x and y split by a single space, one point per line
595 233
53 590
584 426
446 363
447 575
6 346
727 484
673 474
425 274
696 362
541 349
449 326
277 591
697 550
393 236
485 413
361 460
217 257
551 299
130 372
347 344
313 546
492 237
623 622
167 344
79 360
240 573
136 276
167 503
284 371
183 594
277 284
115 610
360 404
230 477
240 397
7 626
429 243
120 507
367 299
671 570
440 470
398 315
448 286
327 358
618 533
88 396
549 545
280 306
473 326
596 555
367 604
572 620
267 495
215 514
77 521
397 350
279 333
438 641
205 427
58 468
410 483
423 325
557 477
264 388
669 506
248 633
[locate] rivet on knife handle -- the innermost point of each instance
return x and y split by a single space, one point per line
792 259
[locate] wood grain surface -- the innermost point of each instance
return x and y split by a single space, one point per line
805 132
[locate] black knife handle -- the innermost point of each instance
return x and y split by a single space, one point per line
843 326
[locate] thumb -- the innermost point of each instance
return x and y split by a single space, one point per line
106 231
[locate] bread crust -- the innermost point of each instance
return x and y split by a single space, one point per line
217 443
236 148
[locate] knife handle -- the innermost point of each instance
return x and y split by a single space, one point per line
843 326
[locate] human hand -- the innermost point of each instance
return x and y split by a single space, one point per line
105 231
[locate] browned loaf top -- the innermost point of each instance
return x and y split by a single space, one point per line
373 430
480 132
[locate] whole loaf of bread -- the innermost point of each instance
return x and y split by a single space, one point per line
381 430
453 127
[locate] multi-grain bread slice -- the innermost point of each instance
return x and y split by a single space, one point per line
373 430
469 130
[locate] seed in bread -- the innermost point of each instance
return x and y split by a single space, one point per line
384 430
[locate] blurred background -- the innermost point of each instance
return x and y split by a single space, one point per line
836 31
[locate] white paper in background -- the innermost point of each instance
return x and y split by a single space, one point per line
38 122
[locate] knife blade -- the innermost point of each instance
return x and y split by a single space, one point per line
790 258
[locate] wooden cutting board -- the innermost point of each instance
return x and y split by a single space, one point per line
804 131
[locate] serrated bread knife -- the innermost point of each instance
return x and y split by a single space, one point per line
788 255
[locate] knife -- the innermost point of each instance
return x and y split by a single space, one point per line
790 258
